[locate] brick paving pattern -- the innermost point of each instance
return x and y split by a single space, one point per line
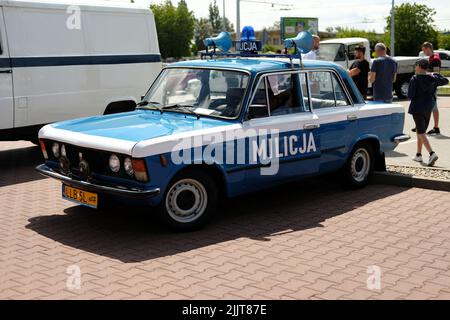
308 240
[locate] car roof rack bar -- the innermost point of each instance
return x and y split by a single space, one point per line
291 57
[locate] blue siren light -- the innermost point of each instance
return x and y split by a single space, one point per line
222 41
248 34
248 43
303 42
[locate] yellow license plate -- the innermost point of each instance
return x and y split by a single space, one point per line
80 196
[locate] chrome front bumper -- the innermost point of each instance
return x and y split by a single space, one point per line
401 138
101 188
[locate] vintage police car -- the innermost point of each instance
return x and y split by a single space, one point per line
223 126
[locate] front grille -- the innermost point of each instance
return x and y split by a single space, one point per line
98 160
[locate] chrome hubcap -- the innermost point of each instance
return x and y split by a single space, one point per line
404 89
360 165
186 200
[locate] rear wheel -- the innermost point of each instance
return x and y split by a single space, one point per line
190 201
401 89
359 167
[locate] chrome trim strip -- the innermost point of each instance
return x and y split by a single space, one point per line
401 138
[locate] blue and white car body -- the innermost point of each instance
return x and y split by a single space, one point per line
321 131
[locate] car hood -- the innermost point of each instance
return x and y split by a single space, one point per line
120 132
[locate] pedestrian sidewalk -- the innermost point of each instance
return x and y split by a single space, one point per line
441 143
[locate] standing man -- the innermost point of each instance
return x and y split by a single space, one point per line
435 66
422 92
312 55
383 75
359 71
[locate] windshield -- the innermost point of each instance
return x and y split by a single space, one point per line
331 52
217 93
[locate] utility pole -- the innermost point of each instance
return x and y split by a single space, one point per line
238 19
393 29
224 19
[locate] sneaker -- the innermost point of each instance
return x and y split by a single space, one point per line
417 158
434 131
413 129
432 160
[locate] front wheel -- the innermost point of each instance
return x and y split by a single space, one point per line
190 201
359 167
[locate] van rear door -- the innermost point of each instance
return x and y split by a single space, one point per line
6 89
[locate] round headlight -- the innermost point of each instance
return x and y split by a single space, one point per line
83 167
63 151
128 166
114 163
55 149
64 165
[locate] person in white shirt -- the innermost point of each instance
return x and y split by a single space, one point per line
312 55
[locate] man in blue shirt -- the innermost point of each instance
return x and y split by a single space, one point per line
383 75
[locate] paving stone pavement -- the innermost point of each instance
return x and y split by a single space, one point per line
307 240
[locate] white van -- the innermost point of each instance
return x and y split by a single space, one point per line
61 61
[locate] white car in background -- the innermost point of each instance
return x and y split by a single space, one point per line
444 55
61 60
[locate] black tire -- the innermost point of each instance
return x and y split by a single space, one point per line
401 89
189 202
358 169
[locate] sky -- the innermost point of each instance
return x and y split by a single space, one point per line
367 14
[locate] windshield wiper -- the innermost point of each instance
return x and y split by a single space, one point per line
154 105
185 108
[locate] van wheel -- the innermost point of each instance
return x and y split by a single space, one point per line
190 201
401 90
359 167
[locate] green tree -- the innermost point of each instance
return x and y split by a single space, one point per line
414 25
216 21
202 30
209 27
444 41
185 23
214 17
175 27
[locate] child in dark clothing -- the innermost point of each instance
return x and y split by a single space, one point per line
422 92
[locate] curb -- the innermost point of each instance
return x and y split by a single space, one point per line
410 181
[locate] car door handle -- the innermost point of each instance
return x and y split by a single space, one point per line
352 117
5 71
311 126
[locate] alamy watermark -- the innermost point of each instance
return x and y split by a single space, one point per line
263 148
73 281
374 280
73 22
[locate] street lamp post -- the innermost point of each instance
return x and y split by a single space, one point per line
393 29
224 19
238 19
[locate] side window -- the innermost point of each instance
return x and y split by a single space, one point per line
341 98
259 108
340 54
351 51
326 90
304 91
284 94
280 94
